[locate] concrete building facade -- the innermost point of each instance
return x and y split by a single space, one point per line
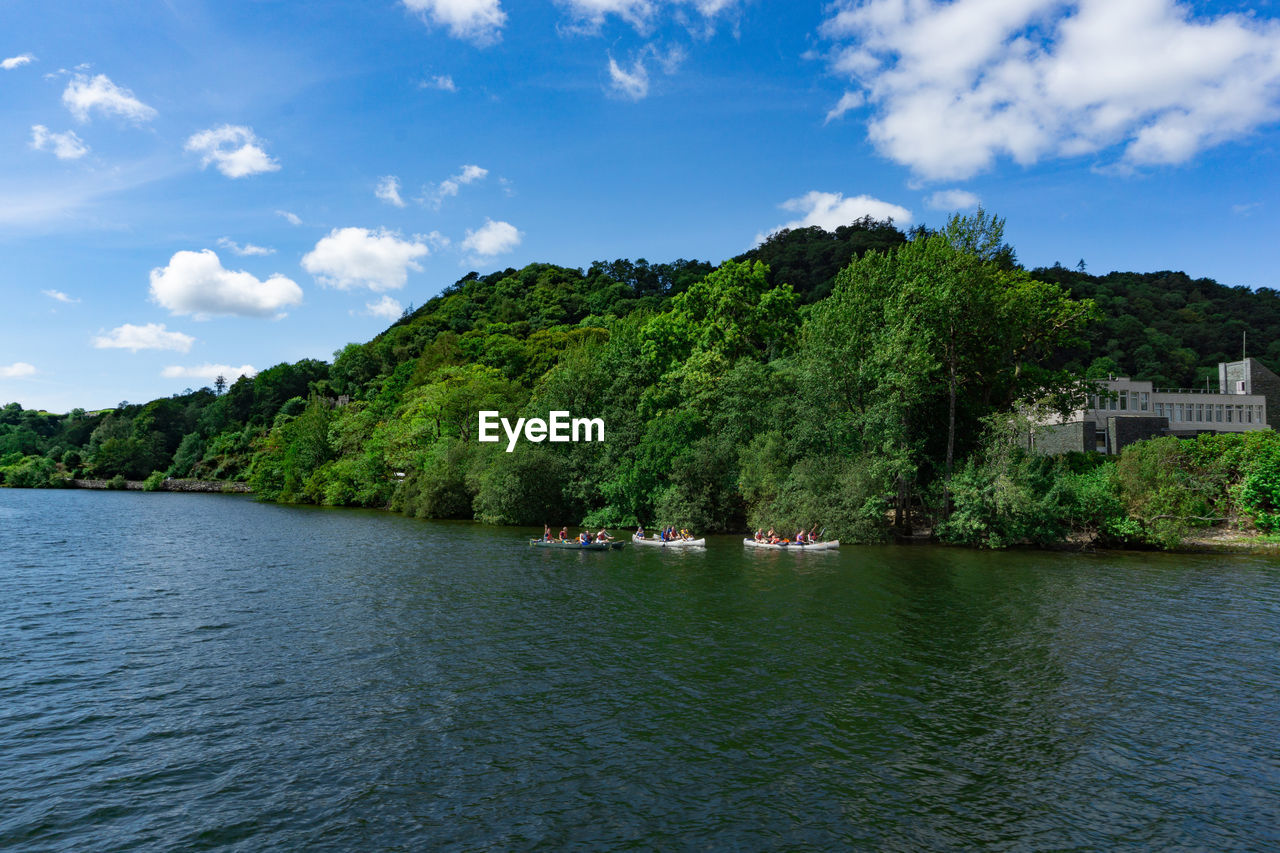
1129 410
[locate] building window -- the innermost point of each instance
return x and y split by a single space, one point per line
1248 414
1159 410
1229 408
1239 414
1124 401
1219 412
1145 401
1199 412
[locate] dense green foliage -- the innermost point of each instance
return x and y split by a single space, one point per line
1169 328
868 381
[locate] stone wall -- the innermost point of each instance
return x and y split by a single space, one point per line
1065 438
1122 432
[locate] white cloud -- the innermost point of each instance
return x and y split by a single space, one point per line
291 218
955 86
65 146
633 84
150 336
357 257
831 210
386 308
443 82
388 190
16 61
16 370
952 200
589 15
476 21
209 372
60 296
492 238
248 249
450 186
234 149
84 95
848 101
196 283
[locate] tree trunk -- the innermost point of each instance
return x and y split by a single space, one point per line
951 439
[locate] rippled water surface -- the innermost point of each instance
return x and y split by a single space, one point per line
206 672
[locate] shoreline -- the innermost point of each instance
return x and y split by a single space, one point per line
1227 541
183 485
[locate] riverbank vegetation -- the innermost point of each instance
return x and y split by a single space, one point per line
876 382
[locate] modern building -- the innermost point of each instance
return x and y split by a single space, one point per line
1129 410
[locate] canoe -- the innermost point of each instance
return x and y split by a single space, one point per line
829 545
575 545
674 543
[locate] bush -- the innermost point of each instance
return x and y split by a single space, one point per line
117 482
154 482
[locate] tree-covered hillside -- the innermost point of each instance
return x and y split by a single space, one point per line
1168 327
840 379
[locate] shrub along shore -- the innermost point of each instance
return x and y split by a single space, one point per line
877 383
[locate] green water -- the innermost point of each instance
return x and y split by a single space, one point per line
206 672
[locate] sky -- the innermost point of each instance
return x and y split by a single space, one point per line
189 188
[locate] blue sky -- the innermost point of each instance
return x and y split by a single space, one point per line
189 187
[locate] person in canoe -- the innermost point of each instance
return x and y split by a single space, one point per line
759 537
802 538
584 538
603 535
771 537
640 530
546 533
564 533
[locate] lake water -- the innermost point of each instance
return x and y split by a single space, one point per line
205 672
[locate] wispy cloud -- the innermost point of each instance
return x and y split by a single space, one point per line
442 82
386 308
388 190
150 336
17 370
953 200
209 372
630 83
65 146
477 21
450 186
234 149
16 61
291 218
85 95
248 249
492 238
59 296
848 101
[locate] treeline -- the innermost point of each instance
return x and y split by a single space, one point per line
868 380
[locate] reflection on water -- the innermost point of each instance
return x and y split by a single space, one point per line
204 671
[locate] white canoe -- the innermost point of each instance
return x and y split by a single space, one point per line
829 545
673 543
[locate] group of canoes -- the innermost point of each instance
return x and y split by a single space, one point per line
669 537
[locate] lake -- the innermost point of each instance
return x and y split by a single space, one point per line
206 672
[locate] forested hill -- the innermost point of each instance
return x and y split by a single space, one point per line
1168 327
804 380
